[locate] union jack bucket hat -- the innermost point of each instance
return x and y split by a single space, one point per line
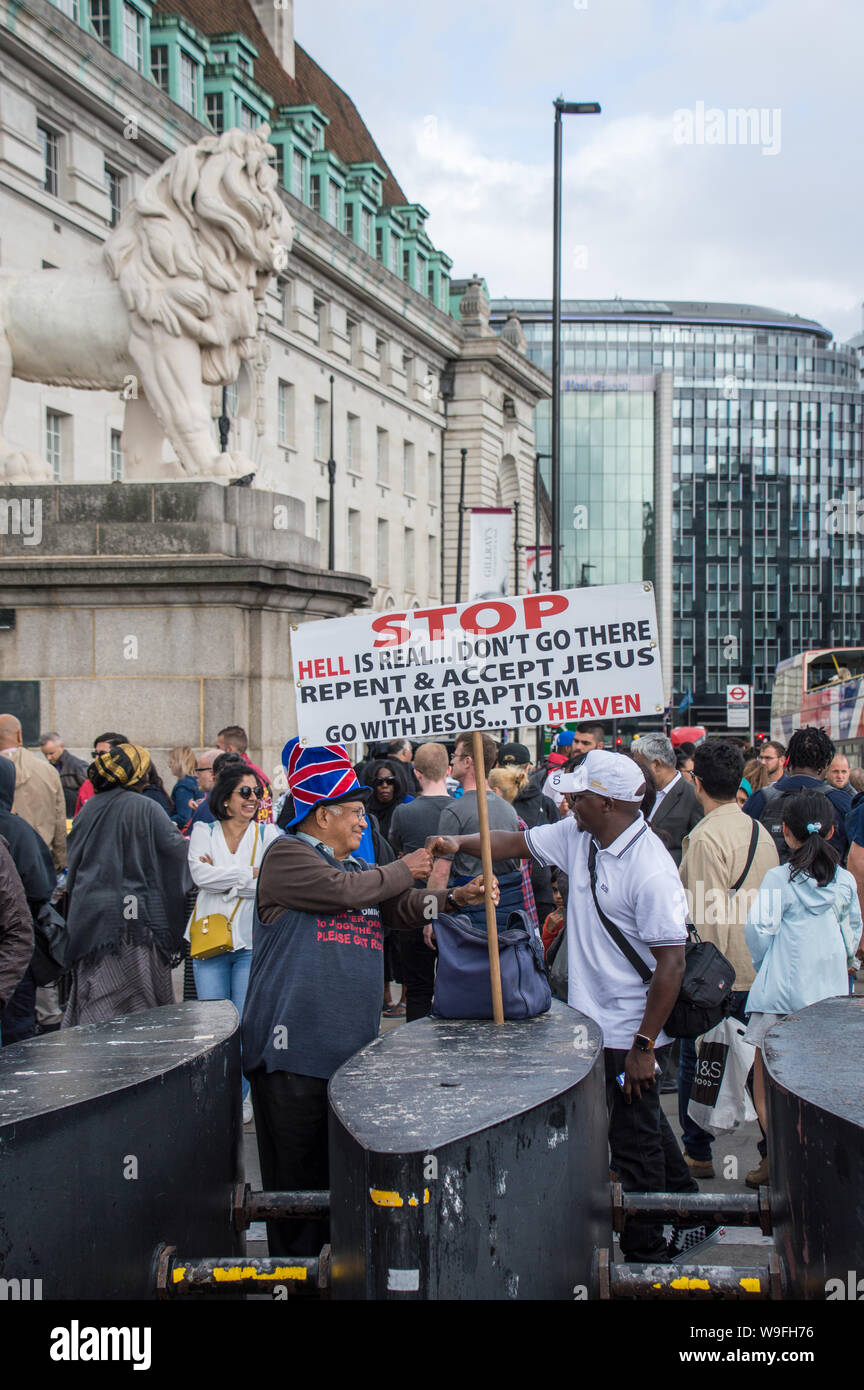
318 777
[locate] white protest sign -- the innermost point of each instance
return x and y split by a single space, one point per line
493 664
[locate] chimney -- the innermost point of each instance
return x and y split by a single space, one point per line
276 18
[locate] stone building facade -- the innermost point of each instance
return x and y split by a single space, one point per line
94 95
365 299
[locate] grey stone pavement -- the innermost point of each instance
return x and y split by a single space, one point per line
735 1155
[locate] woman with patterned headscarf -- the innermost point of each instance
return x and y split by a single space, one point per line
127 880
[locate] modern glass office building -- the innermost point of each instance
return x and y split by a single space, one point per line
715 449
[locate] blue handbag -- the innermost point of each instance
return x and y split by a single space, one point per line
462 985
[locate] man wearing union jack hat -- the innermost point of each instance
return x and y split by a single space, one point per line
316 984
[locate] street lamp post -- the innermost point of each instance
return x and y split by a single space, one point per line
460 530
516 541
331 474
562 108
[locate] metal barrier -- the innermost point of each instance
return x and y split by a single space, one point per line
177 1277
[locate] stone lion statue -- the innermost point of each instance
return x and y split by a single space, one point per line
169 310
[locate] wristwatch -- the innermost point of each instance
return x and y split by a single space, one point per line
450 904
643 1043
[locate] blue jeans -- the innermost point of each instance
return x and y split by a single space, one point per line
698 1141
225 977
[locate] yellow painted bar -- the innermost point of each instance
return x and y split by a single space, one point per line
235 1273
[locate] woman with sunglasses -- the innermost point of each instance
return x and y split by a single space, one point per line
224 858
386 777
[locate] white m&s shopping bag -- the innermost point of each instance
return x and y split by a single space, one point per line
719 1099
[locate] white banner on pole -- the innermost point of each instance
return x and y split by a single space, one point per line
491 551
492 664
531 575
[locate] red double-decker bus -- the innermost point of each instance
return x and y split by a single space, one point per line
824 687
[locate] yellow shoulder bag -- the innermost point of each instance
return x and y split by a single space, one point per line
211 935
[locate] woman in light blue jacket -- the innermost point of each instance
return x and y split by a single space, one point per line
802 929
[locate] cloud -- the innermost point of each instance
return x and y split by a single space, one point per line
461 105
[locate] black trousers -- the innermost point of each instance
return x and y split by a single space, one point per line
645 1153
291 1127
418 973
18 1017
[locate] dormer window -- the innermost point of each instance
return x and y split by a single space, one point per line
188 84
244 65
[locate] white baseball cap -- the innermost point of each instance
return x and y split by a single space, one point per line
604 774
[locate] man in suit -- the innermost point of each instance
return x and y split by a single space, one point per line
677 808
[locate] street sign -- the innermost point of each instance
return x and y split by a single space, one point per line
738 706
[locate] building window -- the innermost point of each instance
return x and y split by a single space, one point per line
333 204
432 474
244 65
286 413
214 110
408 479
315 192
320 427
247 119
116 458
322 521
353 444
68 7
382 459
354 541
319 309
100 20
432 566
349 220
395 255
366 223
408 543
133 38
50 142
114 189
406 267
298 175
430 284
54 442
287 303
379 243
188 84
383 554
159 65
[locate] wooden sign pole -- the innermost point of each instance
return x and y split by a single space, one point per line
486 860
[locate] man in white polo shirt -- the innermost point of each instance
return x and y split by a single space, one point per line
638 889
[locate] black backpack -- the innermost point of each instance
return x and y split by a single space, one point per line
775 800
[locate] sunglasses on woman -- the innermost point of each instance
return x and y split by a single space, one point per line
247 792
384 782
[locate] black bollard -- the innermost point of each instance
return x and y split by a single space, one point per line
468 1160
117 1137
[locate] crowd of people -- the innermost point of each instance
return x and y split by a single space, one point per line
304 898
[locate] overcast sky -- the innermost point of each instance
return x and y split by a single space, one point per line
458 96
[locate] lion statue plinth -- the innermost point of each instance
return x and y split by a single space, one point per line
170 310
